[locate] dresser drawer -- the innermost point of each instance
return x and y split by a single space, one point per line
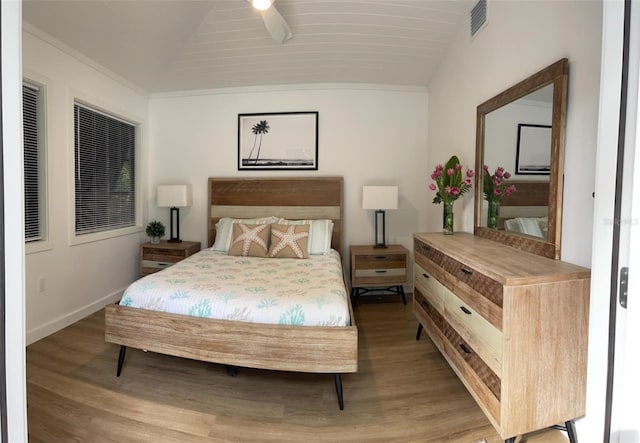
428 252
480 292
431 288
484 337
428 317
482 382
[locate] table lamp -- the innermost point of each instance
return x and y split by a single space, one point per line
380 198
174 197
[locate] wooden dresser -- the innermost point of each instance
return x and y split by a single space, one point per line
512 325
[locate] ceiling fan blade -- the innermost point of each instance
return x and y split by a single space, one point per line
276 25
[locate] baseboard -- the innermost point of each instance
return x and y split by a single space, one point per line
49 328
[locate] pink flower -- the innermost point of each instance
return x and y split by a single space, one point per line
439 167
432 187
458 167
447 190
449 172
435 176
455 190
499 171
485 168
497 191
469 173
510 190
497 181
467 182
507 176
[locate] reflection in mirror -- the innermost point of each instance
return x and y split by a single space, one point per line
522 131
525 125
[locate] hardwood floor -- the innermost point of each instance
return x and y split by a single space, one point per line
404 391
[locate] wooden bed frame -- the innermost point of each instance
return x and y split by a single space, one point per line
239 344
531 199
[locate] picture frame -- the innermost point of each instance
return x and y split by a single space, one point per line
278 141
533 150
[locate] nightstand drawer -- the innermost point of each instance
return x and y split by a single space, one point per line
363 273
153 264
383 261
155 257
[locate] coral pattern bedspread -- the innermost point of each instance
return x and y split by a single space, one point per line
304 292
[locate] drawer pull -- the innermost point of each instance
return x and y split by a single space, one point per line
425 275
466 271
465 310
380 257
381 271
465 349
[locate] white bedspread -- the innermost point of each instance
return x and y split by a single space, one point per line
211 284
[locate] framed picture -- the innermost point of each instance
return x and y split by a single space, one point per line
533 154
278 140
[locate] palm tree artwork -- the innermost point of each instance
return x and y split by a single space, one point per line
260 129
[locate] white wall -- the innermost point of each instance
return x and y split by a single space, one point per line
368 135
78 278
520 39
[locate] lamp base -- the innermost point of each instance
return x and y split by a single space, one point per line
175 214
380 239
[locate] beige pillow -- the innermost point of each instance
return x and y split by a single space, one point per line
250 240
289 241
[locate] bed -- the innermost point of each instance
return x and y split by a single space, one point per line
234 342
526 210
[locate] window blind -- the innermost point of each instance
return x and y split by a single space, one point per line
32 177
105 182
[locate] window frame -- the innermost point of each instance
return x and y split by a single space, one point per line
114 112
44 243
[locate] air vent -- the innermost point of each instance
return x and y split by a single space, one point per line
478 16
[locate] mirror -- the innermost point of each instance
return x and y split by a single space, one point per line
522 130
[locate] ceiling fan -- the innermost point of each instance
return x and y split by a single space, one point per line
273 21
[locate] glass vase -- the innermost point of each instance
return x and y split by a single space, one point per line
447 218
492 214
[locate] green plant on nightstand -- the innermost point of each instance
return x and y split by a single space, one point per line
155 230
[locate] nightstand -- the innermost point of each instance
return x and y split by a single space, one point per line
155 257
376 269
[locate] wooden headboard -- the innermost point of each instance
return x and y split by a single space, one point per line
288 197
531 199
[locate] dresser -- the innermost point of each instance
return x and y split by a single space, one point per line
512 325
155 257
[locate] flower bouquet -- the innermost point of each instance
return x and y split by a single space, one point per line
495 188
450 184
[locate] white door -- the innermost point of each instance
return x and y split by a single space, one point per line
625 411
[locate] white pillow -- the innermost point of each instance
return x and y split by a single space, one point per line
320 233
524 225
224 230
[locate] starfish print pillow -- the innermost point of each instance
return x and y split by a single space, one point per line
289 241
250 240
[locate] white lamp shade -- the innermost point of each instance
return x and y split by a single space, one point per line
379 197
173 196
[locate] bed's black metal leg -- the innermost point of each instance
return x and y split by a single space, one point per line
419 331
510 440
339 391
123 350
232 371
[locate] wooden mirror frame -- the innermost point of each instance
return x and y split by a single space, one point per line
556 74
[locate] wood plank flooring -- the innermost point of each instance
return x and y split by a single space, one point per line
404 391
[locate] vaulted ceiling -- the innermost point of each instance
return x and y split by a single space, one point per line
170 45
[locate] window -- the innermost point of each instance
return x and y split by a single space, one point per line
105 182
34 182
